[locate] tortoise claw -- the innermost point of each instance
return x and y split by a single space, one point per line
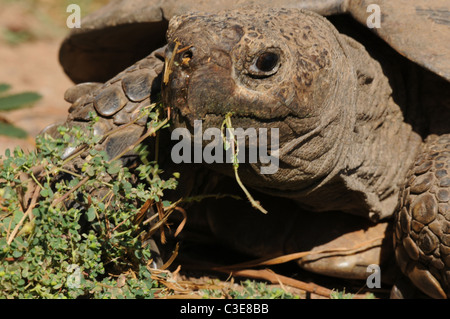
75 92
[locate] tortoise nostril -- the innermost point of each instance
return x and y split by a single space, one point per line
187 55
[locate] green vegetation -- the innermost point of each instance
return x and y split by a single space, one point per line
259 290
58 240
335 294
13 102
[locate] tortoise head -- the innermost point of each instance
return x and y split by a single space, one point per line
340 132
270 68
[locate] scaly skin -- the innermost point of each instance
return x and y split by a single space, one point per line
117 102
422 233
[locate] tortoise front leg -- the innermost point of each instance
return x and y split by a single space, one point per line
117 103
121 125
422 235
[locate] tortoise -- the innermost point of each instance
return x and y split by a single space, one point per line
363 118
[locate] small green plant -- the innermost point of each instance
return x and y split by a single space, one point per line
13 37
233 145
60 239
13 102
336 294
259 290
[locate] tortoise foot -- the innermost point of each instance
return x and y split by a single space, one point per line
422 232
353 255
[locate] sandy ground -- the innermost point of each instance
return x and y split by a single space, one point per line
33 65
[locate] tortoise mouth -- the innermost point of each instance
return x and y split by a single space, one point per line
216 120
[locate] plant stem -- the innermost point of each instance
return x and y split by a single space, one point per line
28 213
234 148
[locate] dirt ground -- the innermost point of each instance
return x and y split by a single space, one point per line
30 35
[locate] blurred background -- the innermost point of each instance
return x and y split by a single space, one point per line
30 34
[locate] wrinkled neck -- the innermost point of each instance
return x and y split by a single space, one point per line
376 147
380 149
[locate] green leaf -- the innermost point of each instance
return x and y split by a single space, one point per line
89 170
4 87
17 253
17 101
114 168
44 193
90 214
12 131
17 216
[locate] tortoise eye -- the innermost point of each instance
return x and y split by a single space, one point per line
265 65
267 61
